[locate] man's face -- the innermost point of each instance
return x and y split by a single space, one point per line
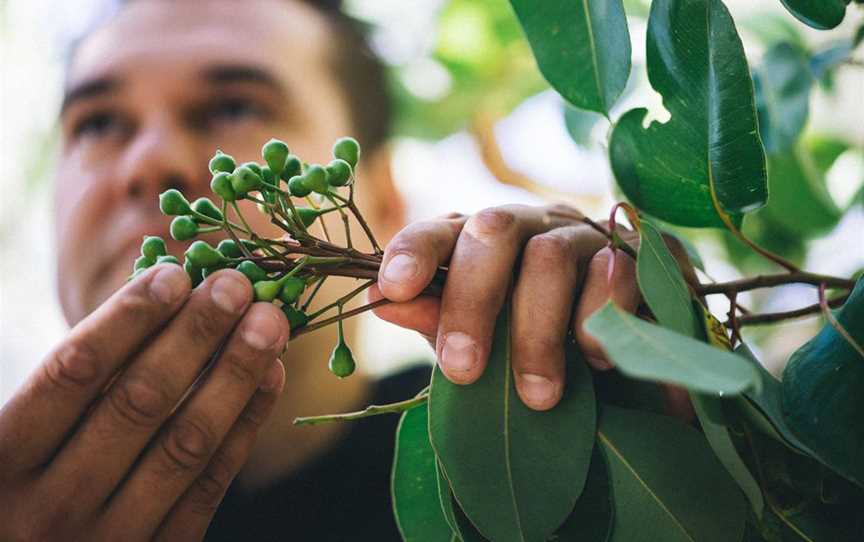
152 95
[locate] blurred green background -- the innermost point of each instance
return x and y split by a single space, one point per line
469 96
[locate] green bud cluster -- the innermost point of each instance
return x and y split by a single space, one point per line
153 252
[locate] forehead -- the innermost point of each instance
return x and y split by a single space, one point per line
161 36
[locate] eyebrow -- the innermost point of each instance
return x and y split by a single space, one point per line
227 74
91 88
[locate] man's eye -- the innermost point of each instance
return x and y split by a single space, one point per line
234 110
96 125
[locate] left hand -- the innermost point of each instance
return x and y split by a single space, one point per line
553 260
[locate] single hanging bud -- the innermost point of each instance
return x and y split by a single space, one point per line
206 208
203 255
221 186
297 187
275 153
338 172
222 162
244 180
307 215
293 166
291 290
229 248
172 203
341 361
152 247
184 228
347 149
315 179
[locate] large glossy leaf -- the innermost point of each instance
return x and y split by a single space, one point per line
462 529
782 85
709 150
666 483
414 482
582 48
821 14
515 472
649 352
591 519
822 391
662 284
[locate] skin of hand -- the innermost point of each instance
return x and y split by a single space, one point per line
564 273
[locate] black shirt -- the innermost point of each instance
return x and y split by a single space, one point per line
343 495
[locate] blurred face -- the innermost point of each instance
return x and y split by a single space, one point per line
150 97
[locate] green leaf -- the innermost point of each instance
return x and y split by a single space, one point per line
649 352
822 398
462 529
662 284
710 148
711 416
782 84
666 483
591 519
579 124
820 14
824 151
812 523
515 472
582 48
414 481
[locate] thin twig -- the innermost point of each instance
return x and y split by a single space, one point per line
773 317
765 281
371 410
353 312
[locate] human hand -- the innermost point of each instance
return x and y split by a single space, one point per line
554 260
94 446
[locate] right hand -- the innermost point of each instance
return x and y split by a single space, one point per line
91 447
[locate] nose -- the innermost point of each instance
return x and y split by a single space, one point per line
159 156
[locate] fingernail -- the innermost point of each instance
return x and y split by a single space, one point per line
229 294
274 378
459 352
537 390
400 268
261 330
598 363
168 284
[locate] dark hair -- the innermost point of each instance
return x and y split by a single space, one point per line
361 74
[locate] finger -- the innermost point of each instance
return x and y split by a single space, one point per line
478 277
138 402
419 314
542 310
191 515
38 418
184 447
413 256
602 284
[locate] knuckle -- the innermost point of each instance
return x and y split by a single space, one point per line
138 402
492 222
203 326
241 369
135 301
73 366
187 445
255 414
549 251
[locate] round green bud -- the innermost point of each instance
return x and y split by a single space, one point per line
152 247
203 255
221 186
254 166
315 179
341 361
293 166
222 162
244 179
307 215
275 153
338 172
143 262
291 290
252 271
206 208
184 228
229 248
167 258
266 290
296 318
297 187
172 203
193 271
347 149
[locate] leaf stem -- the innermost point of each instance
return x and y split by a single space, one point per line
371 410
